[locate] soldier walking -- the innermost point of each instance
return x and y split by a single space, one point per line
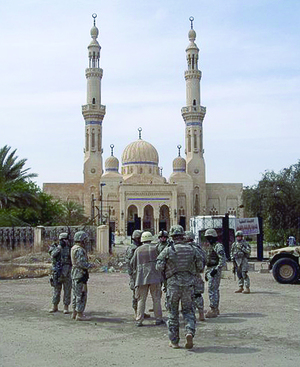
61 272
216 259
80 275
240 252
179 263
147 278
199 283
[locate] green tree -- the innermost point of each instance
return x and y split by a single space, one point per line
13 181
73 214
276 198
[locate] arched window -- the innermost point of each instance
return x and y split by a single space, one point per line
87 141
94 101
189 143
195 139
194 102
93 138
99 141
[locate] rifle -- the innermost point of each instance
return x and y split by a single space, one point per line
234 270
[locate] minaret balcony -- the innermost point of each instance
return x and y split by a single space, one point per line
93 111
194 109
192 74
93 72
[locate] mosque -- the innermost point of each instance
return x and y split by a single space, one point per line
137 196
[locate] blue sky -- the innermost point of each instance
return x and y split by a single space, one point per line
250 63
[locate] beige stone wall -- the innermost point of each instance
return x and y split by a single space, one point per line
224 198
65 191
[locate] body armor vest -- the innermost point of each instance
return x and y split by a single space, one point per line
181 259
212 257
73 250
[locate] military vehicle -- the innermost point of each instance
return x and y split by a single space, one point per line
285 264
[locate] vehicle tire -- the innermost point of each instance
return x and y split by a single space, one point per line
285 271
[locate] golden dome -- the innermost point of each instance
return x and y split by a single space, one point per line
112 164
179 165
140 152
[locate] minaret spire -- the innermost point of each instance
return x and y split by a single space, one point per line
93 113
193 114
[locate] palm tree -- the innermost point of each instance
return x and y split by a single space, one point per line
14 181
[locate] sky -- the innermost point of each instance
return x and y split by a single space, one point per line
250 86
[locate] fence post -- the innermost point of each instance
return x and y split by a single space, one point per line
225 223
102 244
38 239
260 239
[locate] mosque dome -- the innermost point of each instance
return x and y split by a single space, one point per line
179 165
112 164
140 152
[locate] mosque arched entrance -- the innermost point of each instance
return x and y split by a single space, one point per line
148 219
133 221
164 218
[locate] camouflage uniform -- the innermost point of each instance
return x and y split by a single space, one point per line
240 251
162 244
216 259
129 255
179 264
79 277
61 272
199 283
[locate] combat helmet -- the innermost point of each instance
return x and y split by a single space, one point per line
136 235
146 237
239 233
163 233
176 230
210 233
189 235
63 236
80 236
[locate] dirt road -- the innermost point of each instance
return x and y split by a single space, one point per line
260 329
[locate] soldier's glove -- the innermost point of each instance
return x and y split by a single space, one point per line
213 272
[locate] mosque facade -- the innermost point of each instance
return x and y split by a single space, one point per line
137 196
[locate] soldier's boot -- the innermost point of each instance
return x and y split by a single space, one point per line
66 309
189 341
81 317
74 314
53 309
218 311
247 290
213 312
147 316
173 345
201 316
240 290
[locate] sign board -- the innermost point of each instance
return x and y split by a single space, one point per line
249 226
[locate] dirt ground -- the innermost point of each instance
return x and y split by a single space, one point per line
260 329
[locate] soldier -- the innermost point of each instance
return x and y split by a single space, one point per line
216 259
147 278
162 240
80 275
240 252
199 283
179 264
61 272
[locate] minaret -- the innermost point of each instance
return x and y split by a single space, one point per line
193 115
93 113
